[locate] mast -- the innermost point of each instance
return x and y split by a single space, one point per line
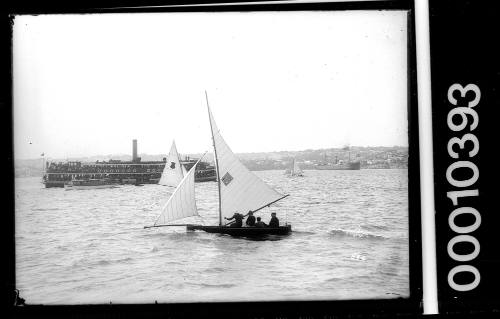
178 158
216 160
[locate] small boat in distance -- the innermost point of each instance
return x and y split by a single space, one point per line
349 166
239 190
294 170
340 165
90 184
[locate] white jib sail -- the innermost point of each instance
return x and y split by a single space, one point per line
182 203
172 173
184 172
241 190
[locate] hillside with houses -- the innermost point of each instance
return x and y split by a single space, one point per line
380 157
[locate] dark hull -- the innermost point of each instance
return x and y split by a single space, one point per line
50 184
343 167
205 179
67 177
146 178
242 231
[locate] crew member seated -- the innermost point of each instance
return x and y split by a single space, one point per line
274 222
250 219
238 220
259 223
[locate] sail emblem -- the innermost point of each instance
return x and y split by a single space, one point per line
172 165
227 178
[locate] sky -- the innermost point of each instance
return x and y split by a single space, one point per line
86 85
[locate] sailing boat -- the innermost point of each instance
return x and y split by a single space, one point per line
239 190
294 170
174 172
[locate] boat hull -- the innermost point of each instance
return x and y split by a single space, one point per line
51 184
70 187
200 179
243 231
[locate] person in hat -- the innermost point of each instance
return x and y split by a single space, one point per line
238 220
274 222
250 219
260 223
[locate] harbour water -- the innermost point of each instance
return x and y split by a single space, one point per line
349 241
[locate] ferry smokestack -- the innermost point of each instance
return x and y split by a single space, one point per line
134 150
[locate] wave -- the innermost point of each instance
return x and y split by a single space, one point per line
268 237
168 234
216 270
357 233
123 260
359 257
44 209
102 262
302 232
336 201
376 227
216 285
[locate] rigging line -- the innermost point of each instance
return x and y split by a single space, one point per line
210 117
268 204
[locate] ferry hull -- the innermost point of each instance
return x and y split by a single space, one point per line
71 187
243 231
205 179
51 184
124 178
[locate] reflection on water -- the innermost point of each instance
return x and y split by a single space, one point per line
349 241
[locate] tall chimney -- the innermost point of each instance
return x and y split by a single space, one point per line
134 150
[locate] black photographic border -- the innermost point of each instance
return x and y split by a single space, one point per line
462 52
282 309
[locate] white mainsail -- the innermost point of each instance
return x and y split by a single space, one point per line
182 203
173 171
240 189
184 172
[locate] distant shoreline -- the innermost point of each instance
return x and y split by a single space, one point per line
253 170
379 157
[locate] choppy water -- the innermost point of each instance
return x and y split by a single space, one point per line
349 241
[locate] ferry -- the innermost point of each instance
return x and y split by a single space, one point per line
124 172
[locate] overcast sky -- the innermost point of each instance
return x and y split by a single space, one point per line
88 84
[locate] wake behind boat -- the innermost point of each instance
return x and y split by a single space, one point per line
239 190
